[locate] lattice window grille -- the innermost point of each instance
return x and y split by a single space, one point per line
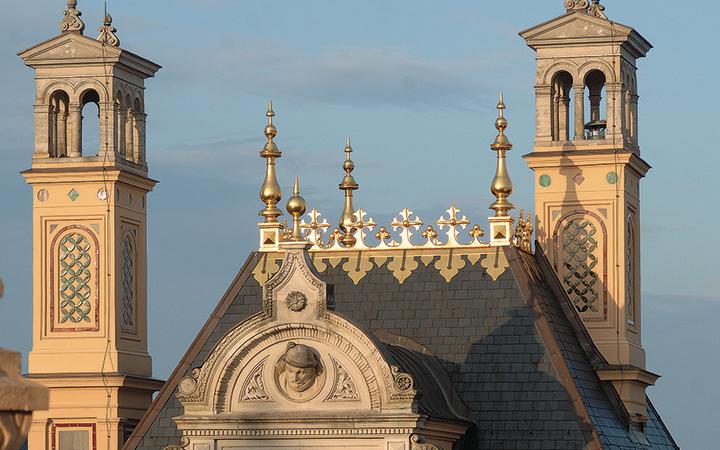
74 259
581 281
128 281
630 274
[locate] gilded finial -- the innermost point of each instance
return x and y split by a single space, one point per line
347 218
502 184
107 31
270 193
72 23
296 207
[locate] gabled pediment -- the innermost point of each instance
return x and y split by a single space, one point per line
581 28
75 49
68 47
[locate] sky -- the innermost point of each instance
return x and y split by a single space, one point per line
414 83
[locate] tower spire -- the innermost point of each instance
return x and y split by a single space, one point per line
72 23
296 207
270 192
107 31
502 184
347 218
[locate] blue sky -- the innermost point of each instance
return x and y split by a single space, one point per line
414 83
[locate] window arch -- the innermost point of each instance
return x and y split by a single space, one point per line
90 121
58 112
129 129
596 109
630 272
561 106
129 281
74 281
581 262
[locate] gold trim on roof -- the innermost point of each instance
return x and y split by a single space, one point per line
401 263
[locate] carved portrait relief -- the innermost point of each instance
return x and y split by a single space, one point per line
299 373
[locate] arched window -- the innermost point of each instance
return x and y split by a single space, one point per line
630 283
139 131
74 281
129 281
596 109
90 126
561 106
58 124
581 262
129 129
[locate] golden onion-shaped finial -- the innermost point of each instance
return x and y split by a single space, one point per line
270 192
296 207
348 184
502 184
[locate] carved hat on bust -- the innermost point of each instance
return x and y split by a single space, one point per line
301 356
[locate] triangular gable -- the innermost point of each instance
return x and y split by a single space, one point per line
192 352
584 28
71 48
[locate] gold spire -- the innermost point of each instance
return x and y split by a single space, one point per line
347 218
296 207
502 184
270 193
107 31
72 23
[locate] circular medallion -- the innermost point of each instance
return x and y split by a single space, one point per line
299 372
102 194
296 301
43 195
545 180
612 178
187 385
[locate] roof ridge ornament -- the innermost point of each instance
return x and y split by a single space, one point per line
347 218
296 207
270 192
502 185
72 23
592 8
597 10
107 31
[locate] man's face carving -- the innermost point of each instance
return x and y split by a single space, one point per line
299 379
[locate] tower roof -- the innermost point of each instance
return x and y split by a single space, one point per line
577 27
74 49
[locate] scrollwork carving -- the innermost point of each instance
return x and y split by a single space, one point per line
254 387
344 387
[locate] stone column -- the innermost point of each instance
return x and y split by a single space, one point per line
565 118
615 117
42 131
107 138
121 131
543 116
75 125
54 131
61 147
556 117
633 125
579 111
140 121
129 135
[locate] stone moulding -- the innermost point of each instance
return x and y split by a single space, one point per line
209 388
401 263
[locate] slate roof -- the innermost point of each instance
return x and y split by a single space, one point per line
514 349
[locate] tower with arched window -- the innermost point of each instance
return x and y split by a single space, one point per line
90 181
588 169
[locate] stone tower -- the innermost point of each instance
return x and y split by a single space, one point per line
89 238
588 169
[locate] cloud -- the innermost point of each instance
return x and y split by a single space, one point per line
341 75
